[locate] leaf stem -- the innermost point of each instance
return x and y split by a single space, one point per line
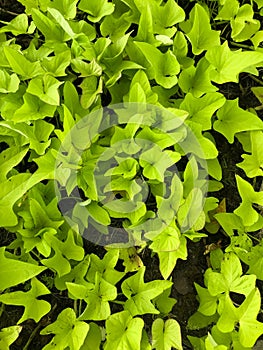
118 302
9 12
32 335
260 82
241 46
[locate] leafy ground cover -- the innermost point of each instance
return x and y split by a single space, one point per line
131 174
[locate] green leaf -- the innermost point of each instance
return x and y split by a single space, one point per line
116 24
58 17
8 83
77 274
140 294
123 208
86 69
39 135
114 71
14 272
46 88
141 78
91 87
8 336
207 302
50 29
10 191
56 65
32 4
166 335
145 29
106 267
196 143
164 66
63 252
180 49
228 10
199 321
227 64
255 261
229 279
9 159
201 36
97 300
253 163
123 332
168 260
34 308
202 109
245 211
93 339
69 332
155 162
167 241
259 3
131 259
145 345
229 222
232 119
166 16
96 10
68 8
197 79
243 25
98 213
16 26
245 315
32 109
21 65
127 168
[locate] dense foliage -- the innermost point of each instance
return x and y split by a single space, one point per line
112 114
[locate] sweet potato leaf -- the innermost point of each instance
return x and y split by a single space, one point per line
201 36
46 89
8 336
227 64
201 109
230 279
63 253
50 29
140 294
33 109
164 66
93 338
16 26
9 159
21 65
68 8
197 79
249 196
34 308
243 24
123 332
8 83
166 335
245 315
96 9
168 260
232 119
14 271
69 332
253 163
97 297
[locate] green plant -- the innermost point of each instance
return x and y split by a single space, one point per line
112 115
